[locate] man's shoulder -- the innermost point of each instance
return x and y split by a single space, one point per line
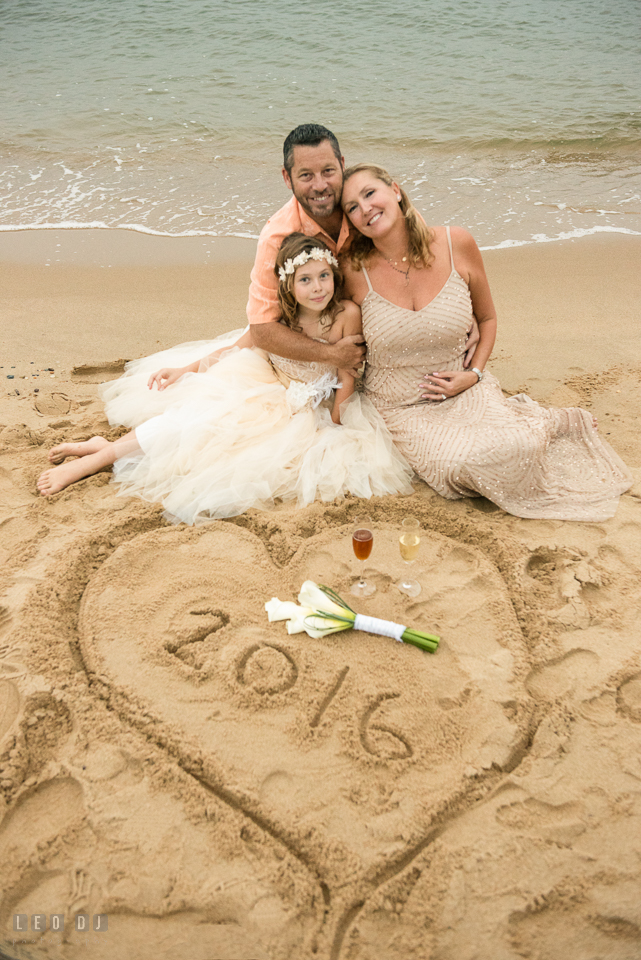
284 221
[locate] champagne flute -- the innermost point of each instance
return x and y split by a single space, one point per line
362 542
409 543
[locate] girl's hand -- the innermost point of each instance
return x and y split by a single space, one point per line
165 377
442 386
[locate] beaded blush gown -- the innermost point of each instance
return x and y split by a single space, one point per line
532 461
244 432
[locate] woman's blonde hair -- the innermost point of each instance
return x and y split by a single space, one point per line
292 246
419 234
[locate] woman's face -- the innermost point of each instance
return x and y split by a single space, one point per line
371 205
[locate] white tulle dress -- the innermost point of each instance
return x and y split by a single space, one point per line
246 431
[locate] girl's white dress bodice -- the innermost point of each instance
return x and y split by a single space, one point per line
531 460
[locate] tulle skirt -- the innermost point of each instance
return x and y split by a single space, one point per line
223 440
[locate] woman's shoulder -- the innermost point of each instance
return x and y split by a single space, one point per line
355 282
459 235
467 256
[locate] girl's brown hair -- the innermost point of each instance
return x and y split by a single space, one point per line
419 234
291 246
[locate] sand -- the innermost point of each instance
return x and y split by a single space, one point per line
214 788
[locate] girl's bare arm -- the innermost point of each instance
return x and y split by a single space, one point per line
168 375
347 323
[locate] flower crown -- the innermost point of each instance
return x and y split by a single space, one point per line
316 253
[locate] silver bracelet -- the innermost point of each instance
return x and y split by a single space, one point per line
479 373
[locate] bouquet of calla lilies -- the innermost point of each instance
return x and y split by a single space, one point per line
322 612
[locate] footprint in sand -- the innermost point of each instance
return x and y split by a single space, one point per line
569 674
53 405
40 815
559 578
576 924
556 823
629 698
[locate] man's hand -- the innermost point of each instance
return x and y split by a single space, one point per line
473 337
349 353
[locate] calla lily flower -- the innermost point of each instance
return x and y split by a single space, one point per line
285 610
322 612
311 595
302 619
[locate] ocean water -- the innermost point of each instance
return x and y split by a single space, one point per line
519 119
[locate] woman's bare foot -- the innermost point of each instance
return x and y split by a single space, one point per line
82 449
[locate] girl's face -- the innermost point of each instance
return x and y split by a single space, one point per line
371 205
313 286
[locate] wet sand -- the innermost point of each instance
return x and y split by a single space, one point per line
217 788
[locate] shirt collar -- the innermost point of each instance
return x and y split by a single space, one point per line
312 229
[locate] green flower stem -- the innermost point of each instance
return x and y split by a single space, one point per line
424 641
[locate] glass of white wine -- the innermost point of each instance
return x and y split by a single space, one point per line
409 542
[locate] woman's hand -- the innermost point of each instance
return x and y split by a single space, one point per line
165 377
442 386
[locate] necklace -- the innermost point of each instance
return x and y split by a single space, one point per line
392 263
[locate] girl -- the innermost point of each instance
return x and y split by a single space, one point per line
240 428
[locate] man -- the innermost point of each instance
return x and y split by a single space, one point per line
313 171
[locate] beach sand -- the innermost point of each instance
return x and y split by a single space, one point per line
219 789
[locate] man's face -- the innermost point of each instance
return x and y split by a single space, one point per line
316 180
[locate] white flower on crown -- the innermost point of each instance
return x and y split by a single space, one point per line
316 253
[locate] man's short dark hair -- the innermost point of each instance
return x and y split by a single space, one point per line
308 135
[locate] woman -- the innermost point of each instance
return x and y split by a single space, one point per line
418 289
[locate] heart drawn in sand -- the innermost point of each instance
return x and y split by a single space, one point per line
345 748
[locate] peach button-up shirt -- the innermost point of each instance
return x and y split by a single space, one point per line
262 306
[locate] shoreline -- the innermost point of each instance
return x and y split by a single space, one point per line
117 247
112 246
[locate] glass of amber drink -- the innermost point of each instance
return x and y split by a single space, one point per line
409 542
362 542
